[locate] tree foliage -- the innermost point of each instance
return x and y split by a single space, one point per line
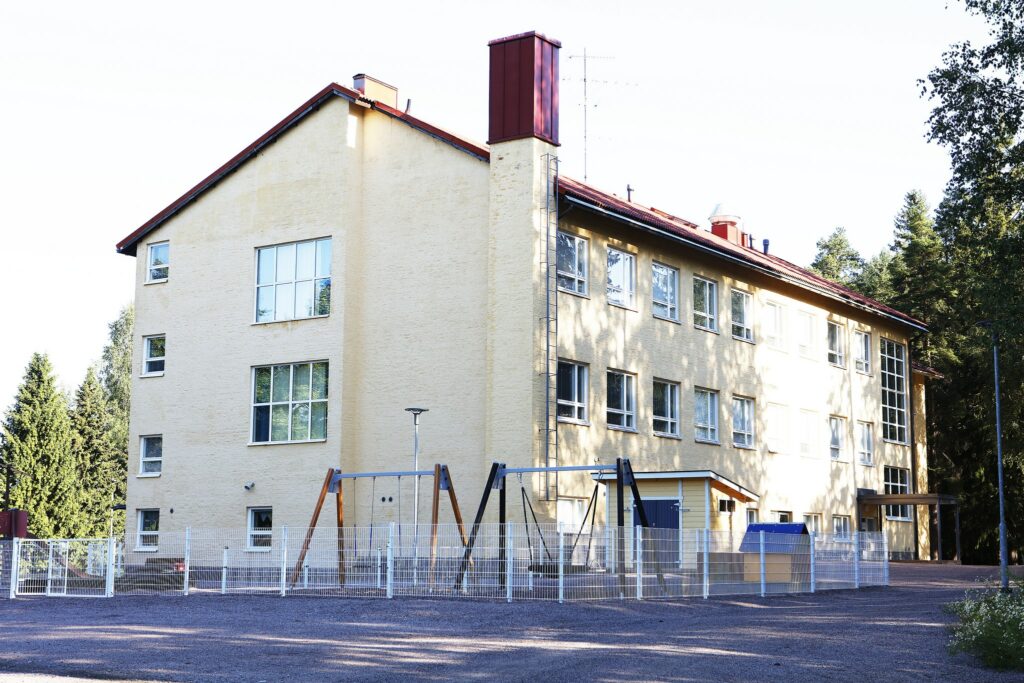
837 259
100 471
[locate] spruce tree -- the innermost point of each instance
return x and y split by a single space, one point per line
97 457
37 443
875 280
116 376
837 260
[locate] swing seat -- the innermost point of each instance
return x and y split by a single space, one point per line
550 569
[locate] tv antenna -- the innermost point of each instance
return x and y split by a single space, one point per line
586 103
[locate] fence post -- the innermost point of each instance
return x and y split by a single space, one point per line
707 563
224 573
15 558
108 589
305 572
639 562
284 561
379 567
509 557
812 564
390 579
763 581
561 565
856 560
885 559
188 559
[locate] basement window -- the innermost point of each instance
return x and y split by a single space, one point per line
261 529
148 536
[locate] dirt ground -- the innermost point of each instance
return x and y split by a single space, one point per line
893 634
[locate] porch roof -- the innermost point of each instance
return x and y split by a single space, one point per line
718 482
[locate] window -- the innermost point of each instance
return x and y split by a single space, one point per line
621 277
155 350
726 506
782 516
836 345
897 481
665 291
809 433
751 516
894 395
158 262
862 352
666 408
572 391
261 528
148 536
742 315
805 330
293 281
572 263
776 428
570 512
705 415
705 304
836 426
841 526
772 324
865 443
812 520
743 422
151 455
621 400
289 402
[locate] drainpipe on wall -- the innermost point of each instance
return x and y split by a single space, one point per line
911 415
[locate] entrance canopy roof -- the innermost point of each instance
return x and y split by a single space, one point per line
718 482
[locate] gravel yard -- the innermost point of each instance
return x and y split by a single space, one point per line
897 633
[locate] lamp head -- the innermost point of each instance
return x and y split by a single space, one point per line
416 411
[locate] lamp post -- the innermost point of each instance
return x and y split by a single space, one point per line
1003 560
416 412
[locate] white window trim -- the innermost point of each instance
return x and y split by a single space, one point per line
756 516
840 351
747 326
711 296
862 365
673 306
580 243
776 312
149 263
143 459
882 375
713 409
673 420
139 548
846 536
902 488
817 516
146 357
749 441
629 402
582 394
253 403
294 281
869 429
630 289
251 532
839 456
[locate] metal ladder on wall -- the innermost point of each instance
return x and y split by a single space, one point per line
550 321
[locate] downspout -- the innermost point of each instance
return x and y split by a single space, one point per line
913 451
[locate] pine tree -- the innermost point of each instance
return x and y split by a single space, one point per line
37 443
875 280
837 260
97 457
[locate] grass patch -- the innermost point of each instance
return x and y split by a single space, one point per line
991 626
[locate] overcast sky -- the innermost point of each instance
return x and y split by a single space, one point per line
801 115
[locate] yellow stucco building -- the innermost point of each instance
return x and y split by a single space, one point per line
355 261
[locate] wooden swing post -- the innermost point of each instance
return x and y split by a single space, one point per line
312 523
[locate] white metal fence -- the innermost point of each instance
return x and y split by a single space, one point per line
507 562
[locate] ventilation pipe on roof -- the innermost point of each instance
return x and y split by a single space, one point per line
764 246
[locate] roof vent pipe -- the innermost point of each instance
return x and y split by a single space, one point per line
764 246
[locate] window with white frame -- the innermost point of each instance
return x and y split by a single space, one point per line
705 304
289 402
805 334
570 512
293 281
705 415
621 408
772 325
665 291
666 408
865 443
862 352
812 520
897 481
751 516
621 278
743 422
572 263
572 391
836 429
782 516
836 345
894 391
841 526
809 433
148 529
158 262
776 427
742 315
154 354
151 454
261 528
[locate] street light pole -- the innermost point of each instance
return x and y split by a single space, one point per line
1003 555
416 412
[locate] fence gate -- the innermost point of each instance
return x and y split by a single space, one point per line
61 568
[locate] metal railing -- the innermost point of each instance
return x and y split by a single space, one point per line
508 562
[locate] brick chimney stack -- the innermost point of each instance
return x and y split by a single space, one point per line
725 224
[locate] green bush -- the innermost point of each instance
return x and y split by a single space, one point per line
991 627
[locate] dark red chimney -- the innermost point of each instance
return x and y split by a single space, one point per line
524 88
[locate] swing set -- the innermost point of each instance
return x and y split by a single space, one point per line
442 481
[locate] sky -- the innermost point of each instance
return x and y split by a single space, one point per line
800 115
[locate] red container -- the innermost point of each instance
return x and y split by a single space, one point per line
524 88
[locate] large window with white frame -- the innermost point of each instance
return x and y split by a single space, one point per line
572 391
665 291
572 263
666 408
293 280
154 354
260 528
158 262
147 529
151 455
621 408
705 415
289 402
705 303
772 324
894 391
812 520
836 434
862 352
621 278
866 443
897 481
841 526
836 344
742 315
805 334
742 422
